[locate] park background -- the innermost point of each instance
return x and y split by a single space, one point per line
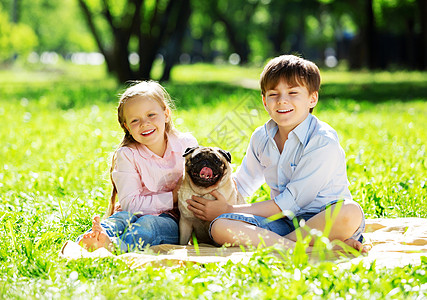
63 64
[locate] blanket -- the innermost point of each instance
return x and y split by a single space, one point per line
392 242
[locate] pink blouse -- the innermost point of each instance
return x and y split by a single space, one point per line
144 180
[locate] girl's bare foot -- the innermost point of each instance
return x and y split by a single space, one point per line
97 238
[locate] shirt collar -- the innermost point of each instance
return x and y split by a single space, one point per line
171 146
300 131
271 128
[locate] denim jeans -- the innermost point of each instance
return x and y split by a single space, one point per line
130 232
283 226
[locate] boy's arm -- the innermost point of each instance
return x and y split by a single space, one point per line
313 173
249 176
208 210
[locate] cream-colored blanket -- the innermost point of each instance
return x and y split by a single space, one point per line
393 242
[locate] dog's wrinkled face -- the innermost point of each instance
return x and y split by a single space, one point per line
206 165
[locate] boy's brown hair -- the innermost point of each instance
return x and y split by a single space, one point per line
295 70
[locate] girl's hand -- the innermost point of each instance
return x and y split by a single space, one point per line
117 208
175 191
207 210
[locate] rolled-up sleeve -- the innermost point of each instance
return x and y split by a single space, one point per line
130 188
314 171
249 176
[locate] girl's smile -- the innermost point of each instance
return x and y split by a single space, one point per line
148 132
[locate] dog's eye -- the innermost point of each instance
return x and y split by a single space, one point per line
217 161
196 159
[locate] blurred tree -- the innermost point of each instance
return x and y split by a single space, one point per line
172 49
354 30
236 16
135 26
368 33
15 39
388 32
16 10
201 42
422 9
58 25
401 35
288 28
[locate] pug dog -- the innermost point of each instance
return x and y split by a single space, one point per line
206 169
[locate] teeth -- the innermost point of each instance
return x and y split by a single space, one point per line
148 132
284 110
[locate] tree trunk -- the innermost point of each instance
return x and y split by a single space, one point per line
240 45
131 24
174 45
16 11
120 58
150 43
422 8
279 37
237 36
147 56
108 55
370 35
410 51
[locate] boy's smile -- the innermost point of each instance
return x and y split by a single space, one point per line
288 105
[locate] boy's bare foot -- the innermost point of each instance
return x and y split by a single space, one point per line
97 238
356 245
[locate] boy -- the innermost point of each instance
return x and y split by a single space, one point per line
300 159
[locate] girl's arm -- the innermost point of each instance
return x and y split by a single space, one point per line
132 193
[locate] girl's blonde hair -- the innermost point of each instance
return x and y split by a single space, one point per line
149 89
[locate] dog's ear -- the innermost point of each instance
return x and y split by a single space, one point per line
226 154
189 150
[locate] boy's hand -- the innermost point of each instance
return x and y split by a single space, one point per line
207 210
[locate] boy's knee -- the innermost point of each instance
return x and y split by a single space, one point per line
218 228
351 214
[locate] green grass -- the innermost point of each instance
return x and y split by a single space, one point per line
59 130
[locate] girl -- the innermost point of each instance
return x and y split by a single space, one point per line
145 172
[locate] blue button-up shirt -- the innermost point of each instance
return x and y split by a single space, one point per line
308 174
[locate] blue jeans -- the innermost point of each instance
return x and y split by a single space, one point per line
130 232
283 226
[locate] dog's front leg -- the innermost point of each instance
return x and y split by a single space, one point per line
185 230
